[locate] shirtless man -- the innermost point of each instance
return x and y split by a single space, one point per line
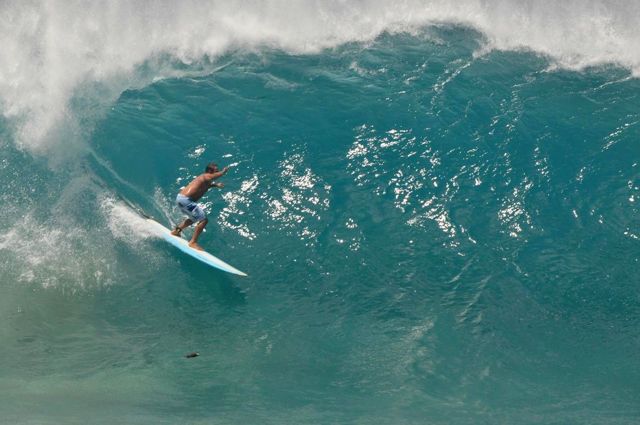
187 202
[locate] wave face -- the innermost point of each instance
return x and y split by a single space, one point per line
437 206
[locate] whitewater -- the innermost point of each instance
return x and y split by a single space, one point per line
436 203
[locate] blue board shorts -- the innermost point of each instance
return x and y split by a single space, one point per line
191 208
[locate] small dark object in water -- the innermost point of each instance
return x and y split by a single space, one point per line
192 355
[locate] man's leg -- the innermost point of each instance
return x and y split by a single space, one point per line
196 234
180 228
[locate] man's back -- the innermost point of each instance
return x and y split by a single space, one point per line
198 186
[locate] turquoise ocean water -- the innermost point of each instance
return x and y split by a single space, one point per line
436 204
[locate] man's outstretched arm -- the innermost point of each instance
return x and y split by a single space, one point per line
217 175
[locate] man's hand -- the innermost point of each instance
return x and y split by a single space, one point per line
224 170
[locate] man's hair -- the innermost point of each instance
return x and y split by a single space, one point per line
211 167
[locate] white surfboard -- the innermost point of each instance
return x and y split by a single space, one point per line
183 246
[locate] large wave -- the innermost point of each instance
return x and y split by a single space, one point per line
52 50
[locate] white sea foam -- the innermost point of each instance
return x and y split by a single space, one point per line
124 223
60 250
52 49
52 254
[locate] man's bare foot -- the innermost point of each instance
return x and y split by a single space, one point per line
176 232
194 245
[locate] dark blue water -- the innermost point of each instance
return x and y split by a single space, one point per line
432 235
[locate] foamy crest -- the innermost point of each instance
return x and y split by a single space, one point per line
56 52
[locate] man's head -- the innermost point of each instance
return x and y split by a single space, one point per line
212 167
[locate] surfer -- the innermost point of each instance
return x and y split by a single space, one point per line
187 201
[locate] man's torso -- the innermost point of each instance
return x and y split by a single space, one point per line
197 188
